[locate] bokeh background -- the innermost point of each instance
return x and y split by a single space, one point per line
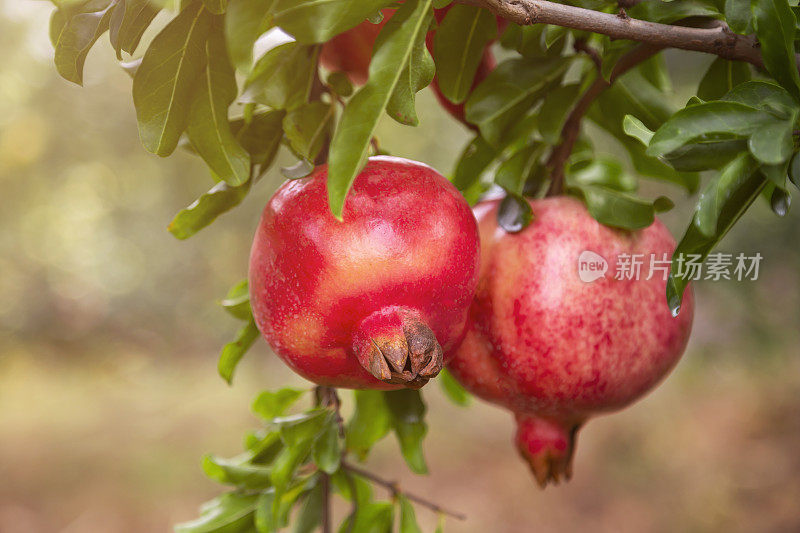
109 334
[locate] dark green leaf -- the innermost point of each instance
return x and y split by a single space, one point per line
229 513
765 96
351 487
728 118
269 404
297 430
408 421
775 26
308 127
772 144
780 201
453 389
203 211
721 77
167 77
208 128
417 74
514 171
474 160
233 352
555 109
297 171
282 78
603 172
128 23
515 213
286 463
504 97
794 170
369 424
738 16
719 191
669 12
232 472
78 33
245 22
459 46
408 518
261 137
617 209
397 42
340 83
313 21
311 513
705 155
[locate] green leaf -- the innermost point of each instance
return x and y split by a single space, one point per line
603 172
555 109
237 301
216 6
417 75
635 128
261 136
474 160
128 23
298 430
719 191
721 77
669 12
167 77
514 171
232 472
310 515
617 209
208 128
407 419
352 488
77 35
203 211
371 422
396 44
245 22
282 78
775 26
705 154
373 517
504 97
763 95
772 144
229 513
728 118
326 452
265 519
286 463
233 352
794 170
695 242
340 83
308 127
453 389
738 16
269 405
408 518
459 46
315 21
515 213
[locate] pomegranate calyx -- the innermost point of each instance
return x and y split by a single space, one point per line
397 347
547 445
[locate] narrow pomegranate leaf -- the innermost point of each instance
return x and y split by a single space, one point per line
310 516
269 404
208 128
244 475
308 126
166 79
203 211
775 26
616 208
128 23
721 77
316 21
245 22
408 421
237 301
360 118
282 78
408 518
417 74
369 424
555 108
216 6
233 352
713 198
75 33
459 45
233 511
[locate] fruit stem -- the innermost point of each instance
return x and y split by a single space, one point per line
394 488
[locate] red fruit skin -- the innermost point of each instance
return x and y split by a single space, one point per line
556 350
351 53
321 289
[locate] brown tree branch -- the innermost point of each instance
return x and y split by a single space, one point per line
572 126
395 490
718 40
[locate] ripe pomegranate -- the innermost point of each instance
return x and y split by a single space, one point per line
556 350
351 53
377 300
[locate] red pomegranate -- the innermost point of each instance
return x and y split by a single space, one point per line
556 349
377 300
351 52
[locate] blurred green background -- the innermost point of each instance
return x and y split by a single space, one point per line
109 334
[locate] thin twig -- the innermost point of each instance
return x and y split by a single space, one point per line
395 490
581 46
572 126
718 40
326 502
